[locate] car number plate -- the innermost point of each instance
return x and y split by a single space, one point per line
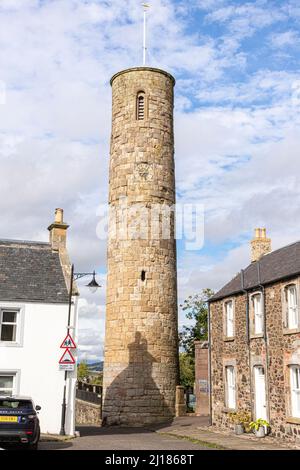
8 419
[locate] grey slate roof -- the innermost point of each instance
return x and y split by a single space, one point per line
31 272
280 264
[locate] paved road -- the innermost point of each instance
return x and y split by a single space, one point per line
93 438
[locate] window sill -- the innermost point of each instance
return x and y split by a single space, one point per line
292 420
260 335
286 331
228 410
228 338
10 344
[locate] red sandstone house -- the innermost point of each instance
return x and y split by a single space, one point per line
255 341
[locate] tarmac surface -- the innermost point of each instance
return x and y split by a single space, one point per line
188 433
115 438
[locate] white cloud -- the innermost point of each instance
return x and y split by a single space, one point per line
263 87
91 326
287 38
244 19
210 4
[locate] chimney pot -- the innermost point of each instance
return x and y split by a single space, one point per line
59 216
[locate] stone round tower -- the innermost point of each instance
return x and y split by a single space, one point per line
141 345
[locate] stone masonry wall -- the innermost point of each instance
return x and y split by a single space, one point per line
276 355
87 413
201 378
141 350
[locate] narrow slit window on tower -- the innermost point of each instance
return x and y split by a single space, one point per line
143 275
140 106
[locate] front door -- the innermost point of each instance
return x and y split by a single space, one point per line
260 393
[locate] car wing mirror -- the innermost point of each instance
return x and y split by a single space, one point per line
38 408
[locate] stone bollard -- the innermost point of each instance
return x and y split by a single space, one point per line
180 401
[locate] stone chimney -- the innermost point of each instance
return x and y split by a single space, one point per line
58 231
58 240
260 245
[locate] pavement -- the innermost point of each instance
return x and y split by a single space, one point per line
198 429
184 433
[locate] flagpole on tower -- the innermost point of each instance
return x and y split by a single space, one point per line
145 6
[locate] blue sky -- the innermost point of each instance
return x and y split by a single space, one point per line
237 121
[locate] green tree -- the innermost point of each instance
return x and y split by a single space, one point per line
187 370
196 308
82 370
97 379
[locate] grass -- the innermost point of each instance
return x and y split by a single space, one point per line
211 445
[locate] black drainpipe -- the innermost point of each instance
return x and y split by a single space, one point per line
209 366
248 338
265 337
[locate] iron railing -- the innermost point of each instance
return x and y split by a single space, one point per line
91 397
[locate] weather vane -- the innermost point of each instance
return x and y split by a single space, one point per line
145 6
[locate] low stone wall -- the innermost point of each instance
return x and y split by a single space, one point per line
88 413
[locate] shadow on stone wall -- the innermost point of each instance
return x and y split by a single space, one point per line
133 398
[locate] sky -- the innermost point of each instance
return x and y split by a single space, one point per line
237 100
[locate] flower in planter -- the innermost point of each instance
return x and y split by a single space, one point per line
241 418
259 423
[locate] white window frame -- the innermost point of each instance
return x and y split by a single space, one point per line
295 390
20 309
15 324
230 387
292 308
16 380
258 313
229 319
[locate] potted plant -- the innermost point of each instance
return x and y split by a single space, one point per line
240 420
259 427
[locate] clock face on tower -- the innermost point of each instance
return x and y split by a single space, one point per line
144 171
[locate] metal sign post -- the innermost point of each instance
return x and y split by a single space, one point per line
67 362
64 404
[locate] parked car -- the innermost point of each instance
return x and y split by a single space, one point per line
19 422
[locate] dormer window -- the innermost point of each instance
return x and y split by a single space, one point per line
140 106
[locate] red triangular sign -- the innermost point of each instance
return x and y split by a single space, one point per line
68 342
67 358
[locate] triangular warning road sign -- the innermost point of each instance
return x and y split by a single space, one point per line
67 358
68 342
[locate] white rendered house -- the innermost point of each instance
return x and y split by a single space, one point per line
34 298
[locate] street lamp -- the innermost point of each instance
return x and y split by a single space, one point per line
93 286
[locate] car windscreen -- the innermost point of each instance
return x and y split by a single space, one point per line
15 404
